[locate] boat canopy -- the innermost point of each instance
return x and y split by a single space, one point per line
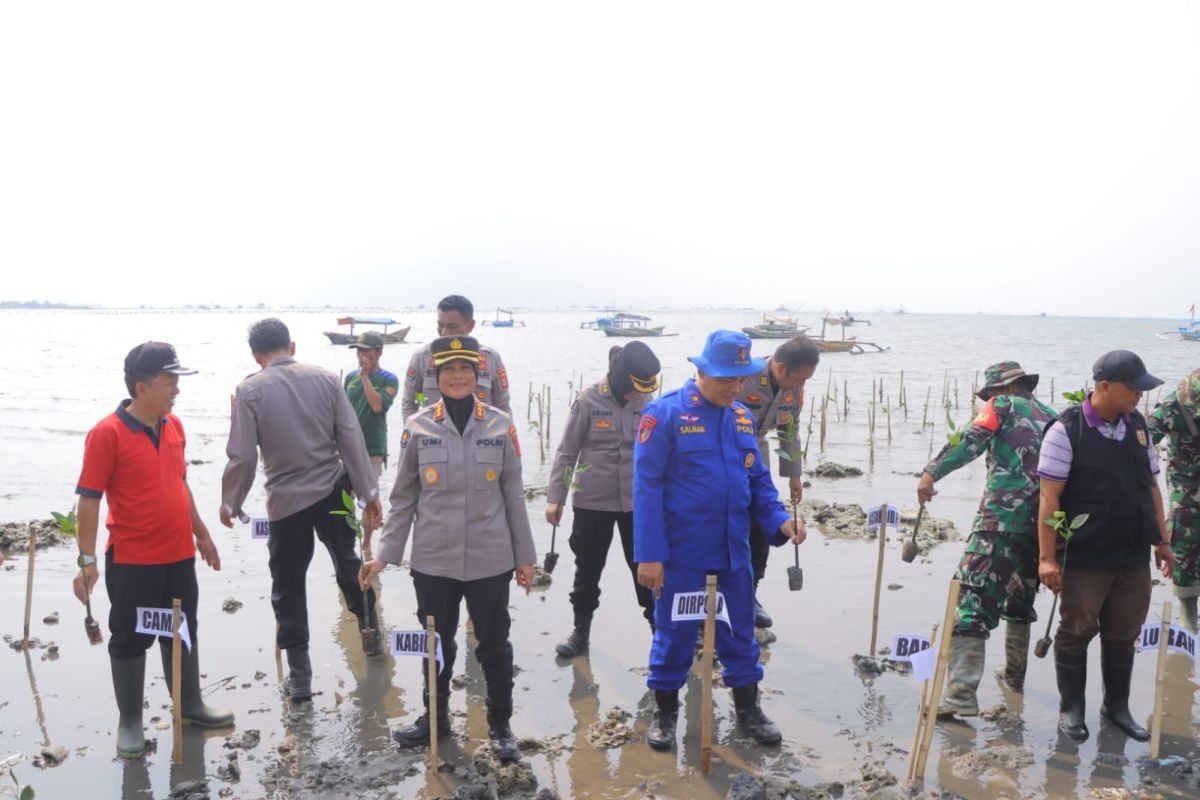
367 321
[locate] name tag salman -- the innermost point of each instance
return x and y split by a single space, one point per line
692 606
1178 639
415 644
160 622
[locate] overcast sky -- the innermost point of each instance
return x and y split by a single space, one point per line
1009 157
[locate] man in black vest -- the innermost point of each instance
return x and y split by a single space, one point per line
1098 466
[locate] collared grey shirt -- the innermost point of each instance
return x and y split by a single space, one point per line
598 440
460 495
775 409
421 377
303 423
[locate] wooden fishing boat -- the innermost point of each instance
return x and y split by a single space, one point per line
846 320
775 328
1184 333
500 322
394 337
628 325
852 345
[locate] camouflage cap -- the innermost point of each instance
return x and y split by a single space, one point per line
1188 393
1005 373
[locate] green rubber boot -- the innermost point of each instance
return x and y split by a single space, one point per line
129 683
192 707
964 674
1016 656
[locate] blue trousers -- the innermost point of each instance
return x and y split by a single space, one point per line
671 654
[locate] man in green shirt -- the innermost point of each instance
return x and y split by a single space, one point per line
373 397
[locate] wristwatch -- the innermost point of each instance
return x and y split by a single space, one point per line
85 561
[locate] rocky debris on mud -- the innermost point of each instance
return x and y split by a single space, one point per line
868 667
998 713
613 730
849 521
247 740
51 756
874 783
190 790
230 772
502 780
51 619
997 759
834 470
34 643
231 605
533 492
541 578
51 653
14 536
765 636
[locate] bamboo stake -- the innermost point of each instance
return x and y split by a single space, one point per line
29 585
925 415
883 513
846 397
824 405
916 740
812 411
176 683
1159 674
887 409
529 403
939 676
706 702
901 398
1052 394
431 646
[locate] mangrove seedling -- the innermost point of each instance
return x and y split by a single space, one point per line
1077 397
954 434
369 634
1066 530
23 792
571 479
419 398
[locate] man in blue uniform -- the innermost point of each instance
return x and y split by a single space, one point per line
698 480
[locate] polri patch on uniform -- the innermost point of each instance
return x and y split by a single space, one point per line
646 428
512 434
788 397
754 398
749 460
431 475
785 417
603 424
491 475
481 394
412 373
1141 437
502 374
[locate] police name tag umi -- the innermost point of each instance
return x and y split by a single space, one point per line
893 517
692 606
160 622
1178 640
415 644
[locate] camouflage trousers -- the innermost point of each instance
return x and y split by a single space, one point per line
1184 525
998 573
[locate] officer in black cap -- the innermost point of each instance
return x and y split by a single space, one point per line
1098 466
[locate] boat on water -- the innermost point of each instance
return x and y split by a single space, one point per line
394 337
845 320
501 322
1184 333
630 326
775 328
852 345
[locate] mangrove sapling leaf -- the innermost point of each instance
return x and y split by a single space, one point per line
572 475
1065 529
24 792
420 398
68 524
954 434
350 514
1076 397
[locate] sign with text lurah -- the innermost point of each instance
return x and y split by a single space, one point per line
1178 639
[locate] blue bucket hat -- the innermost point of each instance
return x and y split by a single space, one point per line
727 355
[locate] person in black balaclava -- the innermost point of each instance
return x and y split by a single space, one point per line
595 461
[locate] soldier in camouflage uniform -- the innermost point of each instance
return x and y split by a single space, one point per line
1177 416
998 570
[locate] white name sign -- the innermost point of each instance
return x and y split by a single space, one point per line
160 622
893 517
923 664
260 528
1178 639
906 645
415 644
691 606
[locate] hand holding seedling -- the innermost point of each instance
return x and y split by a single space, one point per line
1048 569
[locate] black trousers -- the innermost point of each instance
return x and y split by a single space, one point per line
591 537
290 545
487 603
150 586
760 550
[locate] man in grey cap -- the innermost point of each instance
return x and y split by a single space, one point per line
1098 471
313 450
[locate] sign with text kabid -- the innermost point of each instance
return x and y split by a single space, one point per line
416 644
1179 640
160 622
692 606
893 517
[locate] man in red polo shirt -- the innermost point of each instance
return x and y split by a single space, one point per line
135 456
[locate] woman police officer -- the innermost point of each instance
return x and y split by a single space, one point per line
459 475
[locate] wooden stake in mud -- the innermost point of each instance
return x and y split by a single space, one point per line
1052 395
431 646
706 702
939 676
887 409
176 683
883 513
900 397
925 415
916 740
1159 673
846 398
29 585
824 405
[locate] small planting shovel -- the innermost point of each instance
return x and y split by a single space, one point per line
910 549
794 573
551 560
92 627
1043 645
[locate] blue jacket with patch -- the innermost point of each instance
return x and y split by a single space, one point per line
698 479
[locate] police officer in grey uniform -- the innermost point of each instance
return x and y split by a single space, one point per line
595 458
774 398
455 317
459 476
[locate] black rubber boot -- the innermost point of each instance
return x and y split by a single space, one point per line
129 684
504 743
751 717
192 706
574 644
298 683
661 733
417 734
761 618
1116 667
1071 668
